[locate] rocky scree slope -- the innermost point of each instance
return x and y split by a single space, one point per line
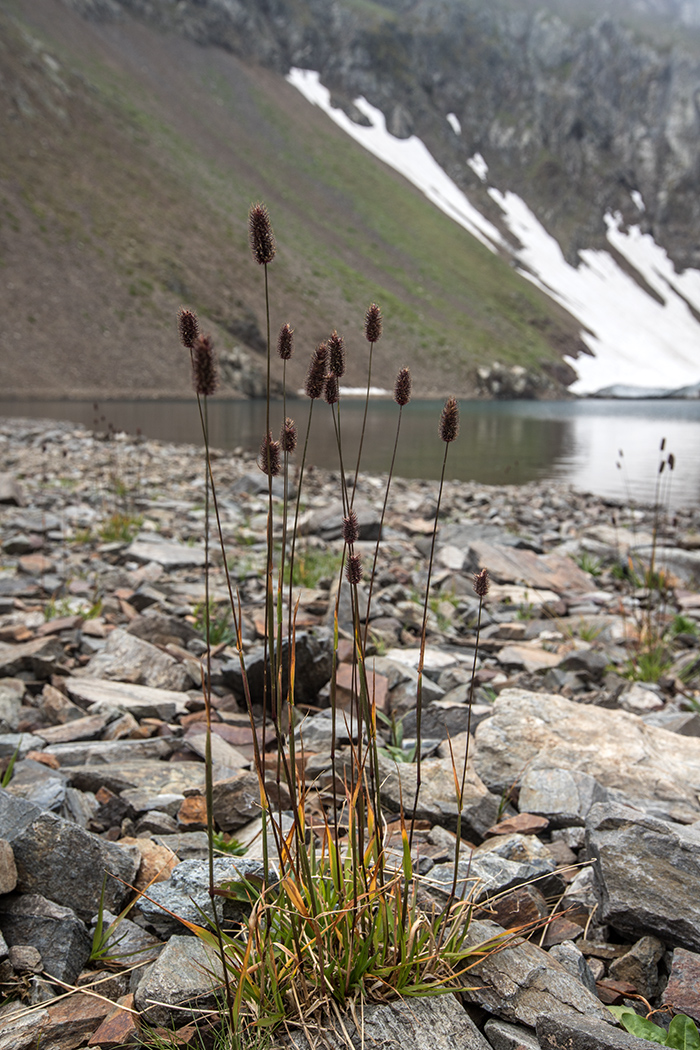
596 777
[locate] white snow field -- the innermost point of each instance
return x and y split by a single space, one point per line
635 339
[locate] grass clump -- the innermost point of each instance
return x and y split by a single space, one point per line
335 919
120 528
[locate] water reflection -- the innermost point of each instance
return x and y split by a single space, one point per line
499 442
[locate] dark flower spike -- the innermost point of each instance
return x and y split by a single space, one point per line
285 342
260 235
331 392
353 569
671 461
336 355
189 329
481 583
449 421
373 324
402 387
288 437
204 374
269 456
316 375
351 528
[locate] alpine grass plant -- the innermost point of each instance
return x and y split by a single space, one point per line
333 921
649 631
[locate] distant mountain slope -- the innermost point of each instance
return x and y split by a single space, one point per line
130 156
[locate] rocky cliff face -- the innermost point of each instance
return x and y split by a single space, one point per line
579 114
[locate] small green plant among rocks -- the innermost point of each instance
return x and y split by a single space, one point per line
218 623
682 1033
120 528
331 923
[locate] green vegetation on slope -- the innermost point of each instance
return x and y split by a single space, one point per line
131 160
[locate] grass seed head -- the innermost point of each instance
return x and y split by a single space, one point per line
481 583
188 326
351 528
332 392
402 387
336 355
353 569
449 421
205 378
285 342
316 375
260 235
269 456
288 437
373 324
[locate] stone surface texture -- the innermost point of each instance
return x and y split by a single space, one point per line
643 868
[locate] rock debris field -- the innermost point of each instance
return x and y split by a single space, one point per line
581 814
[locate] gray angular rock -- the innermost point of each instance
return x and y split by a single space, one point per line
541 731
236 800
313 668
15 814
166 553
640 966
444 717
10 490
186 892
564 796
42 656
11 694
521 983
572 959
484 875
556 1032
37 783
142 701
61 861
644 867
410 1024
54 930
142 773
504 1036
126 658
180 977
21 743
110 752
144 801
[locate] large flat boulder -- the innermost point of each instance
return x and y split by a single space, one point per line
538 731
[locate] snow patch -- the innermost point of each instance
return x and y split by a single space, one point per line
636 339
361 391
479 166
638 200
453 121
407 156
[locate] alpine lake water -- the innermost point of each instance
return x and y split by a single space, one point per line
611 448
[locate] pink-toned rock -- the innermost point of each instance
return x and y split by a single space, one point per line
683 988
543 571
119 1028
8 871
157 862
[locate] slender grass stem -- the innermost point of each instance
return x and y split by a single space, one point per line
364 424
421 659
